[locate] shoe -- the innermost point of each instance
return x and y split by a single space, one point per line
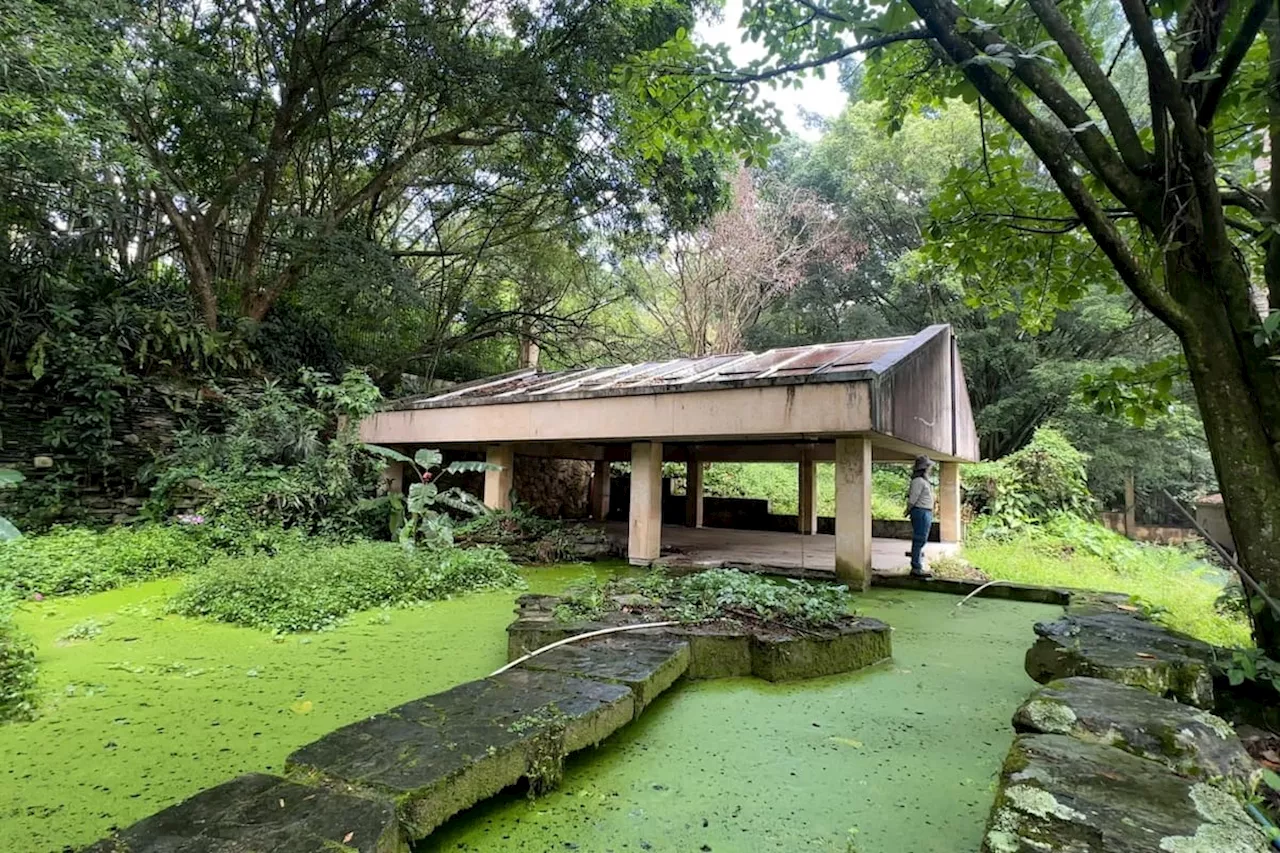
923 574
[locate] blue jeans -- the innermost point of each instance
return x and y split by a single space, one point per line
921 522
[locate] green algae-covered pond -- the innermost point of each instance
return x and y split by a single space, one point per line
156 707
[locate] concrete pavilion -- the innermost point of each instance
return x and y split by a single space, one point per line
851 403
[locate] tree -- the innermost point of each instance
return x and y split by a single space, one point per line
276 127
1160 182
887 187
713 283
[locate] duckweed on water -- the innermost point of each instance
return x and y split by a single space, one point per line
159 706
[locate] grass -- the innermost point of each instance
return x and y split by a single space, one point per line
778 482
1174 584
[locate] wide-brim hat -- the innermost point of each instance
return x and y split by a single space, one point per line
923 462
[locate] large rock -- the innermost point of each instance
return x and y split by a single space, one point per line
441 754
1186 739
1058 793
647 665
1121 647
257 813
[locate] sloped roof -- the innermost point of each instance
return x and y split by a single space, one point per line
845 361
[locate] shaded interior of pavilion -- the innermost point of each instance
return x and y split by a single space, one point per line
852 404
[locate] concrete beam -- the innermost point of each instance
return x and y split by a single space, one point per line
644 532
498 481
728 414
807 518
853 512
949 523
600 491
693 492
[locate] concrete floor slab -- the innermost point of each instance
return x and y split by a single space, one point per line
714 546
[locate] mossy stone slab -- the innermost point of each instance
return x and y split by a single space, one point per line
1189 740
1061 793
443 753
717 650
1124 648
258 813
853 644
647 665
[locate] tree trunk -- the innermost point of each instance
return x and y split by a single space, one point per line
1234 397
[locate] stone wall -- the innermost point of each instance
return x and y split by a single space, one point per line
151 414
551 488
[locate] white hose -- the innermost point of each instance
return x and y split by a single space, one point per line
614 630
978 590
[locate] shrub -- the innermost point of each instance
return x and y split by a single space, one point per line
712 594
286 457
1045 478
76 560
17 669
301 589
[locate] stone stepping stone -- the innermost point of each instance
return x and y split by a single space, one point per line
1187 740
1124 648
441 754
647 665
258 812
1061 793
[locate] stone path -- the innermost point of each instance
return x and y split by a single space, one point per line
1122 647
258 812
1107 764
377 784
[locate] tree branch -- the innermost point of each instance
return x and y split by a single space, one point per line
743 76
1235 53
1102 158
1096 81
941 20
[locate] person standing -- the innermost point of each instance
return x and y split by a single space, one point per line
920 511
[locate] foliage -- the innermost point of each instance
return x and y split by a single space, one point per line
1172 582
421 517
712 594
525 536
285 457
18 671
310 589
1253 665
1043 479
70 560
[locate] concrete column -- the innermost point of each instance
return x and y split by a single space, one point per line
600 490
853 512
693 492
644 533
393 478
808 510
949 526
497 482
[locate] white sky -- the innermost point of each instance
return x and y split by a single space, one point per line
823 97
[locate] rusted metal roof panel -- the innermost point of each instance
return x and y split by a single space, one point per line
817 363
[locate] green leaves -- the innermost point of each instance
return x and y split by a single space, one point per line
1135 393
